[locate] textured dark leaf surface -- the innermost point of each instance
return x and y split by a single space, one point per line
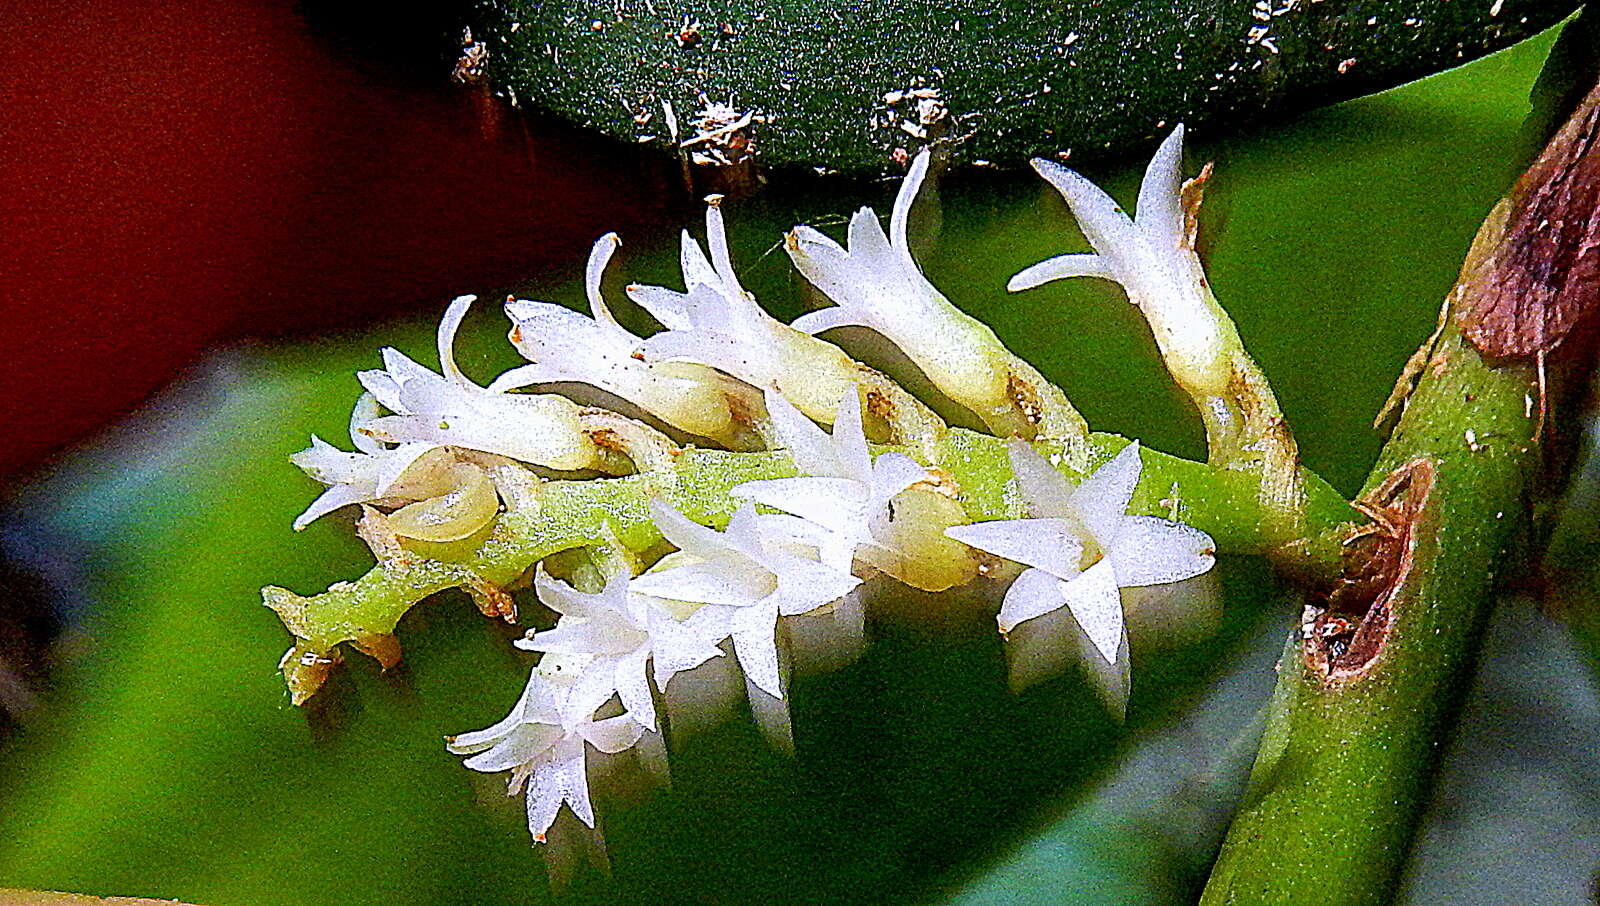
843 84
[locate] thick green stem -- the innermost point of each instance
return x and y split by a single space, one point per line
1365 697
560 515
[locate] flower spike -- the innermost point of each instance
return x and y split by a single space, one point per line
1152 256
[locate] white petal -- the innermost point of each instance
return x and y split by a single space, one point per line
562 779
1096 603
722 581
383 386
1152 551
1160 213
838 504
827 319
524 744
676 647
684 533
1034 593
525 376
1101 499
752 364
804 585
893 472
595 685
1060 267
755 644
827 266
613 734
808 445
570 636
1051 545
599 257
1044 490
905 198
333 498
697 271
633 687
568 601
448 325
849 440
1108 229
665 305
717 241
873 258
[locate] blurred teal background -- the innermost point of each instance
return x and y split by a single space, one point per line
167 761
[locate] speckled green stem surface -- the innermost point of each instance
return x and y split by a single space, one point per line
1345 762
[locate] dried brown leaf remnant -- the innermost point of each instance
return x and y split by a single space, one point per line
1543 278
1345 629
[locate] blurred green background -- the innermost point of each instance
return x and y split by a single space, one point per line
167 761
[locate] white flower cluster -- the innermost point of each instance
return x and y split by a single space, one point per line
791 560
619 648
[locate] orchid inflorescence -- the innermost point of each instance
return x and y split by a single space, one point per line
693 569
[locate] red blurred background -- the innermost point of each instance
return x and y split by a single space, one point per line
177 174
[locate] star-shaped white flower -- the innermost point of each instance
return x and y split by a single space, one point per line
1152 255
877 284
841 489
449 409
622 633
1083 548
715 321
375 471
565 346
546 751
746 580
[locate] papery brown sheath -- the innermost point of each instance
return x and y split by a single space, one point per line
1543 280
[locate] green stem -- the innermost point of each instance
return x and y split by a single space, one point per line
560 515
1365 697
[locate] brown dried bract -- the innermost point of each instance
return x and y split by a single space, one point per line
1543 277
493 600
1026 398
1192 196
1345 629
305 670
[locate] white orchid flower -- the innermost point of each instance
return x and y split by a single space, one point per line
565 346
715 322
545 751
841 489
745 580
449 409
1082 548
623 633
877 284
375 473
1152 256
